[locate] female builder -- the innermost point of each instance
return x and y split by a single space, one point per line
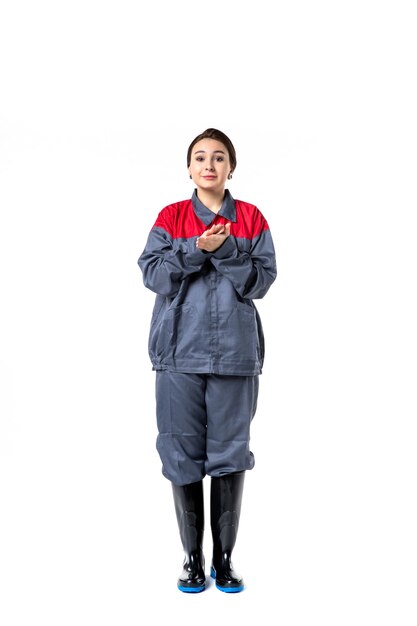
207 258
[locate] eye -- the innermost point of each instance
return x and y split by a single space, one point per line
199 158
219 158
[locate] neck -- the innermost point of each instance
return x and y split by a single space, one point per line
213 200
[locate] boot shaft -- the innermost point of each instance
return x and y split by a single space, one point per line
226 501
225 507
189 509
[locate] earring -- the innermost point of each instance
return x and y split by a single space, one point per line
230 176
190 176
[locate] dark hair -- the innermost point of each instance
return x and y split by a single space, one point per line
213 133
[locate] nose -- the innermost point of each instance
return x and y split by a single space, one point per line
209 167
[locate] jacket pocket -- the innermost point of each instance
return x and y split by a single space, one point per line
241 341
175 332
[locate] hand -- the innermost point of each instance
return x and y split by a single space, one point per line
213 238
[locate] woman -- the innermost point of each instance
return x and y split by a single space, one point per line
207 258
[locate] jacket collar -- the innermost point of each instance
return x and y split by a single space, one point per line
227 210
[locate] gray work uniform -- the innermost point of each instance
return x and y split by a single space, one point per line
205 327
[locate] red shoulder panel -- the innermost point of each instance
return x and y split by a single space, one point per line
249 221
180 221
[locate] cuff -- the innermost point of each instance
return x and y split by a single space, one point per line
226 249
194 255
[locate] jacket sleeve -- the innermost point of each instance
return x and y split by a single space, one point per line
251 273
165 267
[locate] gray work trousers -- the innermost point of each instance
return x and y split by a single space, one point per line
204 424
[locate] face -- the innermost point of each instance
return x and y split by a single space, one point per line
209 165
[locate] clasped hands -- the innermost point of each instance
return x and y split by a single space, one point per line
213 238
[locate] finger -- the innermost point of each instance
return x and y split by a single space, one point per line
214 229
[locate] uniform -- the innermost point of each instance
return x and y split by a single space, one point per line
206 341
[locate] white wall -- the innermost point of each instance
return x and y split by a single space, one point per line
99 103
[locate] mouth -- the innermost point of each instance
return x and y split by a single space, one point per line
209 177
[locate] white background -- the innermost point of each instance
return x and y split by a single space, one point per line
99 102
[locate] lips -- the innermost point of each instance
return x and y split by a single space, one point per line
209 177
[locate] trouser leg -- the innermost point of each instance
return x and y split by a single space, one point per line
181 419
231 405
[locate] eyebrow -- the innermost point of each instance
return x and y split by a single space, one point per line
204 151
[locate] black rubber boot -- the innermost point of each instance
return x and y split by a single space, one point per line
225 504
189 508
